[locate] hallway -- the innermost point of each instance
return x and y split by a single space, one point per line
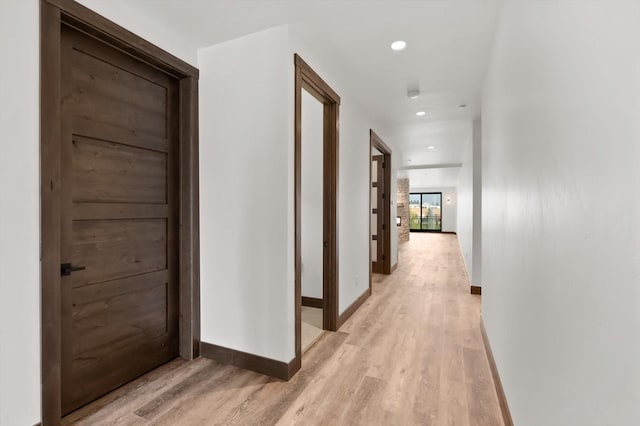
412 354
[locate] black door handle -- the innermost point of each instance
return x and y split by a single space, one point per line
326 244
67 269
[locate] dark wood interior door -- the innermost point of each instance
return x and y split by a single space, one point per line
119 218
378 210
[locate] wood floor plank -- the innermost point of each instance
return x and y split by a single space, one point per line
218 394
313 402
177 392
411 355
478 377
122 402
364 406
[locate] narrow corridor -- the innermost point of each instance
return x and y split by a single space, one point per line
412 354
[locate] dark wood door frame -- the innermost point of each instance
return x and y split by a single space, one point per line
53 15
309 80
377 143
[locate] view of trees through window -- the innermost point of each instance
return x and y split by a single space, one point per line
425 211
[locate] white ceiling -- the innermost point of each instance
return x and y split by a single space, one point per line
448 45
431 178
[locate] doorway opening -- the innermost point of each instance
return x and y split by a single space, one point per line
425 212
311 219
316 211
119 207
380 221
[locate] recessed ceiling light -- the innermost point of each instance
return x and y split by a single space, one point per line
413 94
420 113
462 106
398 45
431 147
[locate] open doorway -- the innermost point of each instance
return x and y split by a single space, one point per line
316 207
312 219
380 205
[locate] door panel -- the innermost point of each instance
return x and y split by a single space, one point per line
119 218
108 94
108 172
123 321
378 224
113 249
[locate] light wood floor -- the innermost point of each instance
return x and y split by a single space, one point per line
311 326
412 354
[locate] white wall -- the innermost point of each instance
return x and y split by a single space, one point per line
121 12
245 210
19 215
476 277
449 209
469 212
561 211
248 272
312 196
465 206
354 163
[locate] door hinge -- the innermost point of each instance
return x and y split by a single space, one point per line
383 257
383 226
384 165
383 195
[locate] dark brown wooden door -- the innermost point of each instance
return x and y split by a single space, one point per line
118 220
378 210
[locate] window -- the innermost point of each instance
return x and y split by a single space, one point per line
425 211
